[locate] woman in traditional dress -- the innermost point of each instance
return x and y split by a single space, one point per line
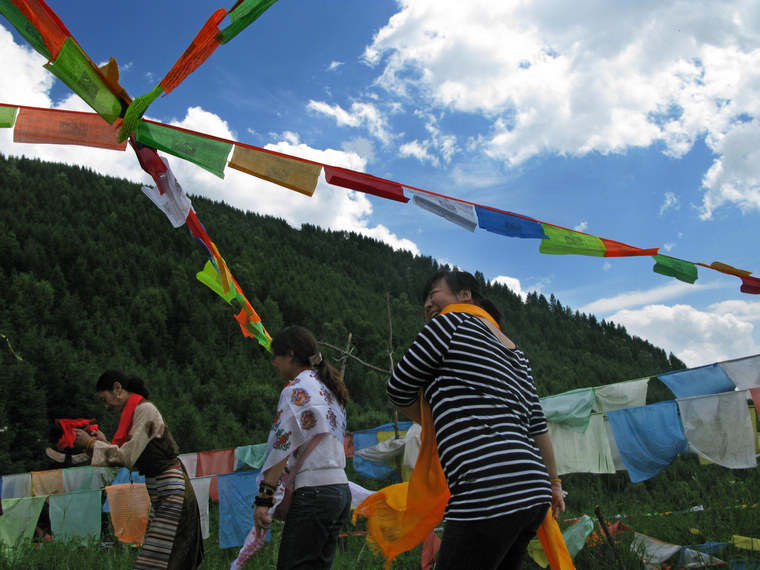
306 440
143 443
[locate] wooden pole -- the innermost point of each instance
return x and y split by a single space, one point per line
606 532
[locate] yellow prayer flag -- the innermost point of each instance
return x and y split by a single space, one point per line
288 172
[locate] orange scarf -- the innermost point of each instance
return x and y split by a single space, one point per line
401 516
125 423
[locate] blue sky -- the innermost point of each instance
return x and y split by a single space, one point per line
638 123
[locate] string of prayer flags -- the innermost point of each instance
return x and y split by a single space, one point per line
364 183
8 342
294 174
64 127
200 49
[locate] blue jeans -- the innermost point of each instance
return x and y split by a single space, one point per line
499 543
315 517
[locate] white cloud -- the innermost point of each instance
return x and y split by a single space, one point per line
360 115
513 283
696 337
671 201
587 77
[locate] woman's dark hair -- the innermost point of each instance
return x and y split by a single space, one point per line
305 349
132 384
460 281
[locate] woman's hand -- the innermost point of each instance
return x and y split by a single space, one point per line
83 437
558 499
261 519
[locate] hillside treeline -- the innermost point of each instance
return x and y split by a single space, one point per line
93 276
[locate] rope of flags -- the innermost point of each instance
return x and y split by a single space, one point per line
118 120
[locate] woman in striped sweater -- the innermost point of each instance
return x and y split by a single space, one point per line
490 430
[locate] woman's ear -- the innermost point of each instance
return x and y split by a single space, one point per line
464 296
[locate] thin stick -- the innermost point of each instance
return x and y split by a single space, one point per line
606 531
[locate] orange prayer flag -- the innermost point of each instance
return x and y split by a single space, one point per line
47 126
725 268
202 46
291 173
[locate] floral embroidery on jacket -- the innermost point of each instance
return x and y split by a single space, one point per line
299 397
308 420
332 418
282 440
326 394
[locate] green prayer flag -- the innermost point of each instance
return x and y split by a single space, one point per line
241 16
682 270
135 112
562 242
8 115
210 278
20 519
75 69
207 153
24 27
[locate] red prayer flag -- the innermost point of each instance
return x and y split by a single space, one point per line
197 52
750 285
619 249
48 126
364 183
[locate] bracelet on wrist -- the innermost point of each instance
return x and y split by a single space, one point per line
555 480
261 501
90 443
266 490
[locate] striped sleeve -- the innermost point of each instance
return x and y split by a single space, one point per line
421 361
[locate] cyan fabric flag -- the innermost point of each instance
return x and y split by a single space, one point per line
366 438
76 516
571 409
710 379
236 494
648 438
250 456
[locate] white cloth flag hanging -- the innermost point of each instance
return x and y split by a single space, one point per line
744 372
173 202
460 213
719 428
652 550
628 394
587 452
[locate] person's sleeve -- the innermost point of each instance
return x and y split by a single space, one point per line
147 423
537 423
420 363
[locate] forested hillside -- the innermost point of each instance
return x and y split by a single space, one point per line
93 276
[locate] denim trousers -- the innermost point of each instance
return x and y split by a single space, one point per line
310 536
498 543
